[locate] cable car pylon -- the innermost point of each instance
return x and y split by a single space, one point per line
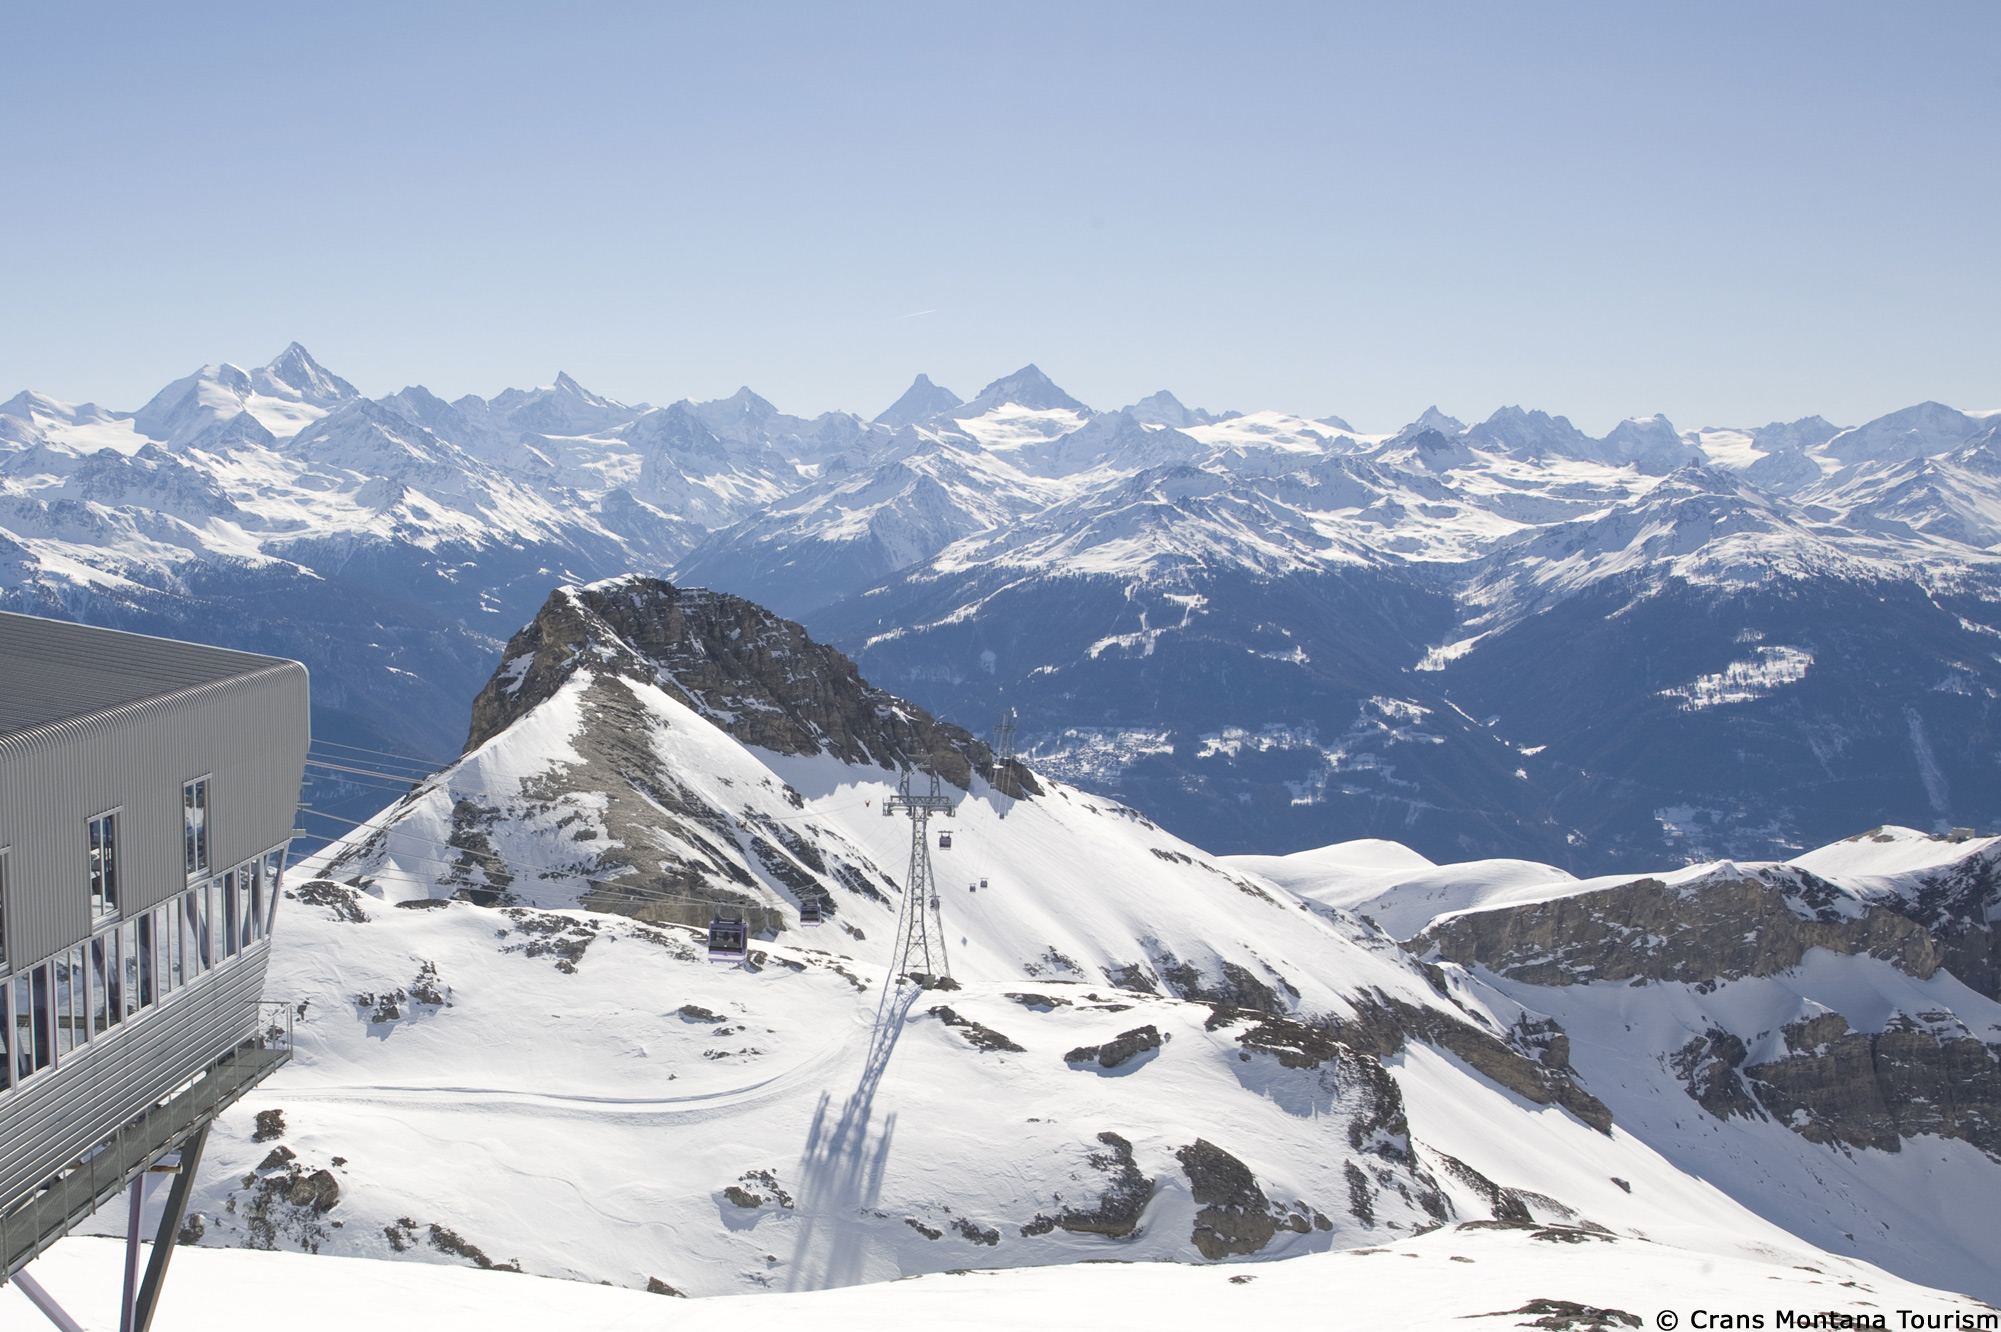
920 931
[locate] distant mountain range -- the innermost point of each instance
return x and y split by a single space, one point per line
1268 632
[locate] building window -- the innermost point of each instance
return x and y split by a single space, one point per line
70 1029
229 914
3 909
167 938
274 867
246 904
107 1000
150 971
103 865
130 937
23 1015
214 917
194 825
194 931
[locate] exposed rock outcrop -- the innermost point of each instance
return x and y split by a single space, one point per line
1126 1194
1234 1216
758 677
1122 1049
1717 930
1876 1089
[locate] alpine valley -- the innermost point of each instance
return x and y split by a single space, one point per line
1267 633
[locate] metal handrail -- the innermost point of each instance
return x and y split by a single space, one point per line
103 1170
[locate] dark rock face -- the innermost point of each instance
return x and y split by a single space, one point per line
1123 1048
1126 1194
982 1037
1874 1090
1235 1215
1645 930
1709 1065
1382 1026
1953 903
1922 1074
1570 1316
756 676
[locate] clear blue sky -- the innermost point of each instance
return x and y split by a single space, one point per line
1729 212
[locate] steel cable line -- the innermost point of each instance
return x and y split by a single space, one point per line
345 755
343 762
383 753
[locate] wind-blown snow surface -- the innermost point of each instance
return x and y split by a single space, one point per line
586 1096
1436 1281
1925 1206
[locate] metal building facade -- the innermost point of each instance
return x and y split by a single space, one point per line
127 1026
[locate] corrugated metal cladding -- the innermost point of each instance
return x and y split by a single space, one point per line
145 715
48 1119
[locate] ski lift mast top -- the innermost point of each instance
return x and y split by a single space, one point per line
920 932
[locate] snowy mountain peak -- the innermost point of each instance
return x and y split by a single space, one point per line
293 373
1027 387
563 408
1432 419
193 403
570 386
756 676
1914 432
1651 443
1163 408
920 402
1530 434
29 406
743 416
1428 449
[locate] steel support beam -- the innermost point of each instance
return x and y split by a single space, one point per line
169 1231
46 1302
135 1209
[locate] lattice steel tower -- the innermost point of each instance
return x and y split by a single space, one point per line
920 930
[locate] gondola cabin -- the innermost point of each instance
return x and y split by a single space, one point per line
147 794
729 940
809 912
944 841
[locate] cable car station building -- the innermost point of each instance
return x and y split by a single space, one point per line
147 794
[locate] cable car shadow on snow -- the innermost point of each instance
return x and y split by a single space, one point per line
842 1165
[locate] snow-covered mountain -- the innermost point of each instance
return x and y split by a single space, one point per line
1269 631
1820 1036
513 1052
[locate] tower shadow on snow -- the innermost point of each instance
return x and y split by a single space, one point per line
841 1168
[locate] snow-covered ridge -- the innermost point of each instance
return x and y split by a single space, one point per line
1785 1029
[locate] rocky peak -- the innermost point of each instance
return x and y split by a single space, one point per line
920 402
293 373
1027 387
756 676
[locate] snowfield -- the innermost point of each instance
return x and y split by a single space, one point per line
1445 1281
